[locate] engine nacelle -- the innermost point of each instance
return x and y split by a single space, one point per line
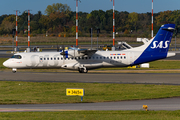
72 53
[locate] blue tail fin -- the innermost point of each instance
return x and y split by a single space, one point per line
159 46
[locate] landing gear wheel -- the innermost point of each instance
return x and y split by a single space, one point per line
80 71
83 70
14 70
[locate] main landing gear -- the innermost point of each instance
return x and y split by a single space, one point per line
82 70
14 70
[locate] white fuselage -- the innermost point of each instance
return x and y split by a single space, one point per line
55 60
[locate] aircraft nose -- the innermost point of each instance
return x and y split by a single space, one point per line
5 63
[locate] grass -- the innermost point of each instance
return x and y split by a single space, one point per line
93 115
165 64
1 63
13 92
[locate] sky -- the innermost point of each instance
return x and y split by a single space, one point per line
139 6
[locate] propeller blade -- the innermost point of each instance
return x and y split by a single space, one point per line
64 53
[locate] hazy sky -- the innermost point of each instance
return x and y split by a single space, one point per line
139 6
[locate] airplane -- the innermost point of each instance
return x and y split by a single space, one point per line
83 60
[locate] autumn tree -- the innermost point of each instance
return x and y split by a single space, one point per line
44 22
58 7
121 21
23 21
133 19
36 27
8 24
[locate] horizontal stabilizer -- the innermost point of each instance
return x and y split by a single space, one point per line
171 54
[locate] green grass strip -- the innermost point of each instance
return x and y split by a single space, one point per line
93 115
43 93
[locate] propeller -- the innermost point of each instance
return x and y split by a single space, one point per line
64 53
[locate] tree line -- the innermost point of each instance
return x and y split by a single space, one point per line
59 20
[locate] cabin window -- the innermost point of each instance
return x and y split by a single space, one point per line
16 56
117 57
47 58
124 57
58 58
44 58
54 58
114 57
89 57
107 57
121 57
104 57
82 57
51 58
61 58
100 57
40 58
111 57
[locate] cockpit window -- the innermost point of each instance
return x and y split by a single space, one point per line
16 56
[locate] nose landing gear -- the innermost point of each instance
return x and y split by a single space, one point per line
14 70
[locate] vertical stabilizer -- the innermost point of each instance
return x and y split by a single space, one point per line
159 46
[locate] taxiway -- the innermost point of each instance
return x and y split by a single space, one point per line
125 78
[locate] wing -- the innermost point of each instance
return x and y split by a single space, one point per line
78 52
87 52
